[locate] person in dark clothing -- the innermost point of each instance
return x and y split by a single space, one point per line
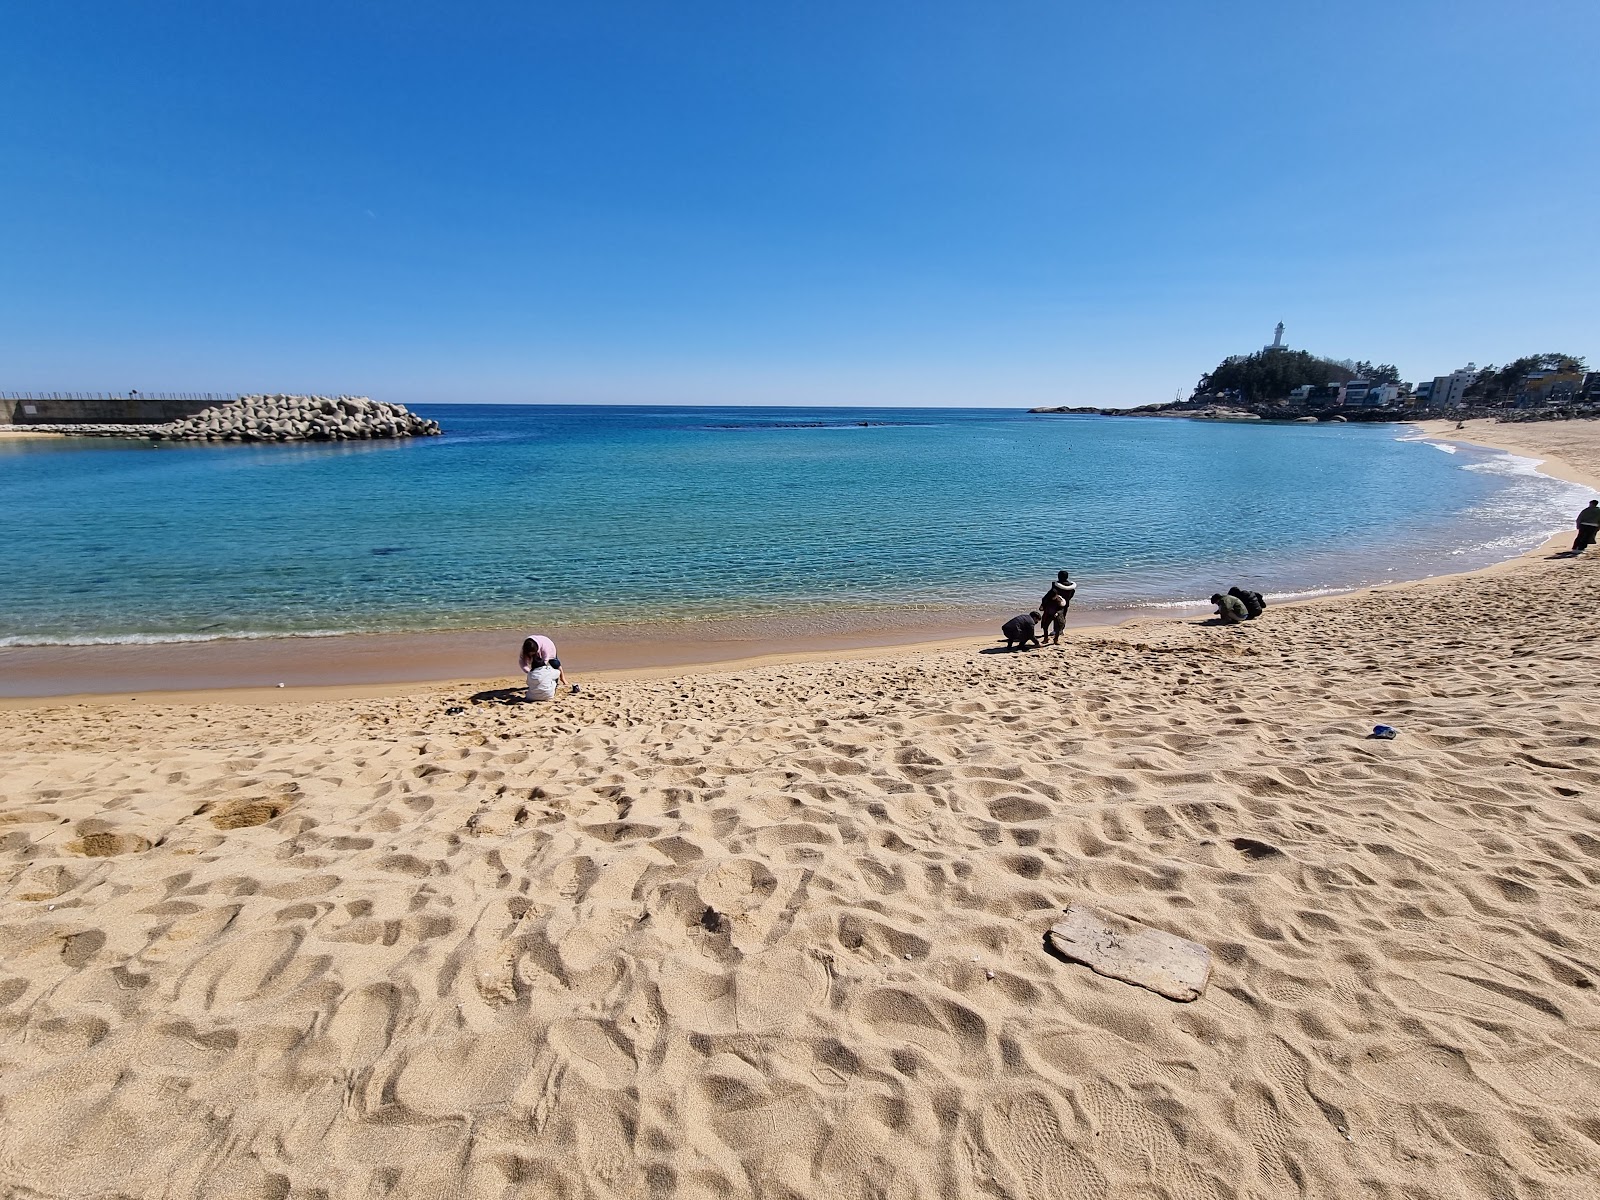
1230 609
1019 631
1588 527
1052 616
1253 602
1053 608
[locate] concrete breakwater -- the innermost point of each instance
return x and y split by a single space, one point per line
298 419
275 419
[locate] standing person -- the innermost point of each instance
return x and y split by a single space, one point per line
1588 527
1053 608
1019 631
1254 603
1230 609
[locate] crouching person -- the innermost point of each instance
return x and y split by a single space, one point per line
1254 603
1019 631
1230 609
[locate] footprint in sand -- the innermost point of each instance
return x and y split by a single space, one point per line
108 845
243 814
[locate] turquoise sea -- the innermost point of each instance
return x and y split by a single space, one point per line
549 516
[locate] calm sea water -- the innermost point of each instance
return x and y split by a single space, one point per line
557 515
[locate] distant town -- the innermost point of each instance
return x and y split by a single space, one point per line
1280 383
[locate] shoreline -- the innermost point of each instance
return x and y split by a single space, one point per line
292 669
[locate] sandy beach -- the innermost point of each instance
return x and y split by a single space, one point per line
777 929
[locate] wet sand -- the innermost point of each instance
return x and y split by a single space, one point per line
361 661
777 930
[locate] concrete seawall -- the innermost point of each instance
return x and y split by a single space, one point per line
104 411
275 418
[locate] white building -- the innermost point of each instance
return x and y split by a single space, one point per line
1450 390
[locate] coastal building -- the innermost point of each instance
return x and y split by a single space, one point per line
1353 394
1423 394
1548 387
1277 340
1449 391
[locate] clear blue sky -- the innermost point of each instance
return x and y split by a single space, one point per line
787 201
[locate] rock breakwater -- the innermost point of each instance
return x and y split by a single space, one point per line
298 419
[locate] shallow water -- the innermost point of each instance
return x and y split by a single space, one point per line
559 516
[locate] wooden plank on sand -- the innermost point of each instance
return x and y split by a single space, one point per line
1163 962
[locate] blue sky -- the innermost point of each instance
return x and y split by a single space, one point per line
1009 203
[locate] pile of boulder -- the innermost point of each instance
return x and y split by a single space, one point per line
297 419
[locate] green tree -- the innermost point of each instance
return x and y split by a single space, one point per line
1492 385
1271 375
1382 373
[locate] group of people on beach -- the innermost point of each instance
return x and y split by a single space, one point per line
1051 617
538 661
1238 604
1037 627
1046 623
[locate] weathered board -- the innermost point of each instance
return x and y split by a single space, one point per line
1165 963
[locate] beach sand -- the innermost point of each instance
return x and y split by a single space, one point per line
778 930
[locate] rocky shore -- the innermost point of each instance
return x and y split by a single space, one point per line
1303 413
275 419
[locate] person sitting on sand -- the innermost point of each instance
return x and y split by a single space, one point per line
543 680
1053 608
1019 631
1230 609
538 660
1254 603
1588 527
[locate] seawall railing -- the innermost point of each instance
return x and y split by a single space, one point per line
206 397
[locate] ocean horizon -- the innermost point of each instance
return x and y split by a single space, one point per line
588 516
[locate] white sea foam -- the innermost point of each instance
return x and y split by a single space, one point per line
1427 441
166 639
1539 505
1509 464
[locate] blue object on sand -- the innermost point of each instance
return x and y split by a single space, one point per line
1386 732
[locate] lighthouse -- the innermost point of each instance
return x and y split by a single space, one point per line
1277 339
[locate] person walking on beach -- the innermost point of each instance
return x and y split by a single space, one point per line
1053 608
1021 630
1254 603
1588 527
1230 609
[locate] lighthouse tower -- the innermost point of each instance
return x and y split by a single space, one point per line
1277 339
